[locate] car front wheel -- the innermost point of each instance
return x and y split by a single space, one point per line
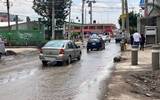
87 49
79 57
44 63
69 60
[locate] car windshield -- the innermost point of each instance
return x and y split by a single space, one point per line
94 36
94 39
56 44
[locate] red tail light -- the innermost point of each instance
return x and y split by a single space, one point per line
40 50
61 51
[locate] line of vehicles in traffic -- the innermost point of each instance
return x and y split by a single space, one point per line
65 51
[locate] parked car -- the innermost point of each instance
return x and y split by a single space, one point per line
106 38
95 43
59 51
2 48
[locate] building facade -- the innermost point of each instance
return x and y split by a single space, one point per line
93 28
4 17
151 19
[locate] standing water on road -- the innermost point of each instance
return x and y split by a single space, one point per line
82 80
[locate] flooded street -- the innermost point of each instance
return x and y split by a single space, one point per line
24 78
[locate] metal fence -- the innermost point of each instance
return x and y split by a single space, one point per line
23 38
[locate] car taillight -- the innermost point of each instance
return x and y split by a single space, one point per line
61 51
40 50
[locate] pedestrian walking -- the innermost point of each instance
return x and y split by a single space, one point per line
124 39
131 40
142 42
136 39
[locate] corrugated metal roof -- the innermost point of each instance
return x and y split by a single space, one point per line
5 24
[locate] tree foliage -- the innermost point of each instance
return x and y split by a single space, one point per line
44 9
132 21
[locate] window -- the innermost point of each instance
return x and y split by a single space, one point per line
99 27
56 44
71 45
86 27
76 27
92 27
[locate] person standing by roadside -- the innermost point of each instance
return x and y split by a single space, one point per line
124 39
142 42
136 39
131 40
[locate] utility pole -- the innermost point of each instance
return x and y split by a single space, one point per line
8 13
16 23
146 8
90 12
90 4
69 26
53 19
127 17
85 15
82 25
123 18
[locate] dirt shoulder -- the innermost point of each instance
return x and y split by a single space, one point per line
134 82
18 56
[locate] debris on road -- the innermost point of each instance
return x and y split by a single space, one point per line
10 52
145 83
118 59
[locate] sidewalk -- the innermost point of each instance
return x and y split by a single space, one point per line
23 50
120 87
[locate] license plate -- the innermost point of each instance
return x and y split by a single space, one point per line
50 59
93 43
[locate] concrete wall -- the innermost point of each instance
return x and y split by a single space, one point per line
25 26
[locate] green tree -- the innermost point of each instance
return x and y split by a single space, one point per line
44 9
132 21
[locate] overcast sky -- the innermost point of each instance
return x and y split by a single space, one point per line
104 11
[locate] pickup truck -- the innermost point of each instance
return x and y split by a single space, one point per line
2 48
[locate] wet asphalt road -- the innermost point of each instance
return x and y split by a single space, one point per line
23 77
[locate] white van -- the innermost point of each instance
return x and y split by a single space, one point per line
2 47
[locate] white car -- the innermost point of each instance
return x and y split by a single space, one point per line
59 51
106 38
2 47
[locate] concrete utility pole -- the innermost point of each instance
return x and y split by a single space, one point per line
85 15
127 17
69 26
146 8
90 4
123 18
53 19
82 25
17 23
8 13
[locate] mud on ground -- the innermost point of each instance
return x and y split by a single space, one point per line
146 83
134 82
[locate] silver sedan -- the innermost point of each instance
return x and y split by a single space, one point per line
59 51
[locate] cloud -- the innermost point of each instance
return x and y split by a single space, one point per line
19 7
